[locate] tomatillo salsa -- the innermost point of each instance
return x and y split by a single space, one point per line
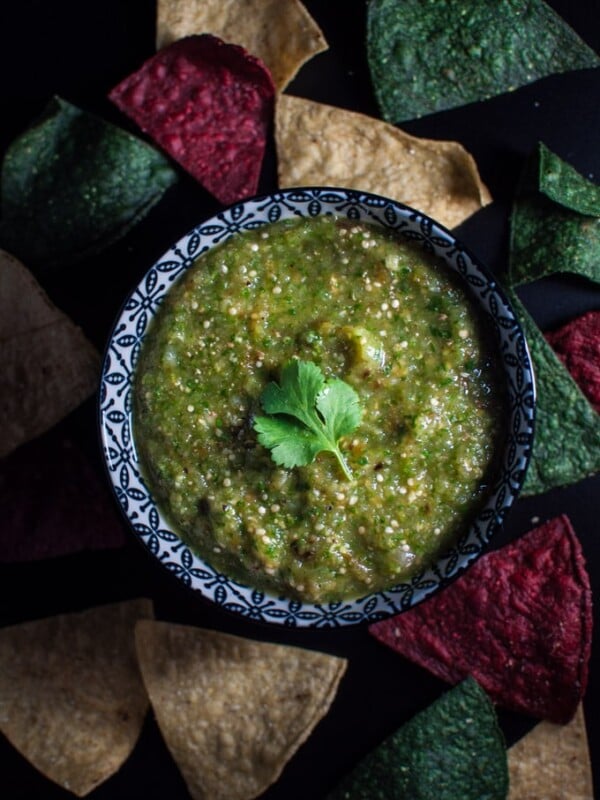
365 307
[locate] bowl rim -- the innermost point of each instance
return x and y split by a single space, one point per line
143 514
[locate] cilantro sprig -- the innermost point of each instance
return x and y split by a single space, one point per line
308 415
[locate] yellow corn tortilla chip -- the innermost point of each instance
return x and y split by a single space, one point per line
232 711
552 762
71 697
321 145
279 32
47 366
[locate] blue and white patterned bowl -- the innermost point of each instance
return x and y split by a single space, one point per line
122 353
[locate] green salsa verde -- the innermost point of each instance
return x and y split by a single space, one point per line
368 308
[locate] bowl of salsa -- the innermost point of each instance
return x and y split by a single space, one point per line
317 408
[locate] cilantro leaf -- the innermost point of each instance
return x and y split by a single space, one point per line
315 415
291 443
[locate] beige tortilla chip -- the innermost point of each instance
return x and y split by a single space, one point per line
232 711
280 32
47 366
321 145
552 762
71 697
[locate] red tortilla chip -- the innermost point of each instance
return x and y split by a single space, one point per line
53 502
577 344
209 105
519 621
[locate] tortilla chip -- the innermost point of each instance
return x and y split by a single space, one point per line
426 57
71 697
48 367
73 184
577 345
232 711
566 445
555 221
519 621
320 145
53 502
209 106
453 750
552 762
279 32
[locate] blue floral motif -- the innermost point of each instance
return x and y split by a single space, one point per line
115 394
145 300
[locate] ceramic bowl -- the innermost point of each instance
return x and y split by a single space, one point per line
136 501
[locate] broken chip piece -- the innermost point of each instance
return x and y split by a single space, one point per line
552 761
429 56
48 365
71 697
209 105
577 344
232 711
555 221
53 502
452 750
72 184
319 144
280 32
519 621
566 446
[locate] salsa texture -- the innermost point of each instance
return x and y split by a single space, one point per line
368 308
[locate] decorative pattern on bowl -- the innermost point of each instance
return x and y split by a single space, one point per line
116 407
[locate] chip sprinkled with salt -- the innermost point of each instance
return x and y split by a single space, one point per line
552 762
48 367
452 750
577 344
71 697
430 55
566 446
72 184
555 221
519 621
318 144
209 105
232 711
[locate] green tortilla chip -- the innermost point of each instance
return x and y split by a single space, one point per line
566 445
72 184
453 750
555 224
429 55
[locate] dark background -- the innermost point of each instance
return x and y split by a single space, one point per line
80 51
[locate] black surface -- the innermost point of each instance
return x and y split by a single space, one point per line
80 51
